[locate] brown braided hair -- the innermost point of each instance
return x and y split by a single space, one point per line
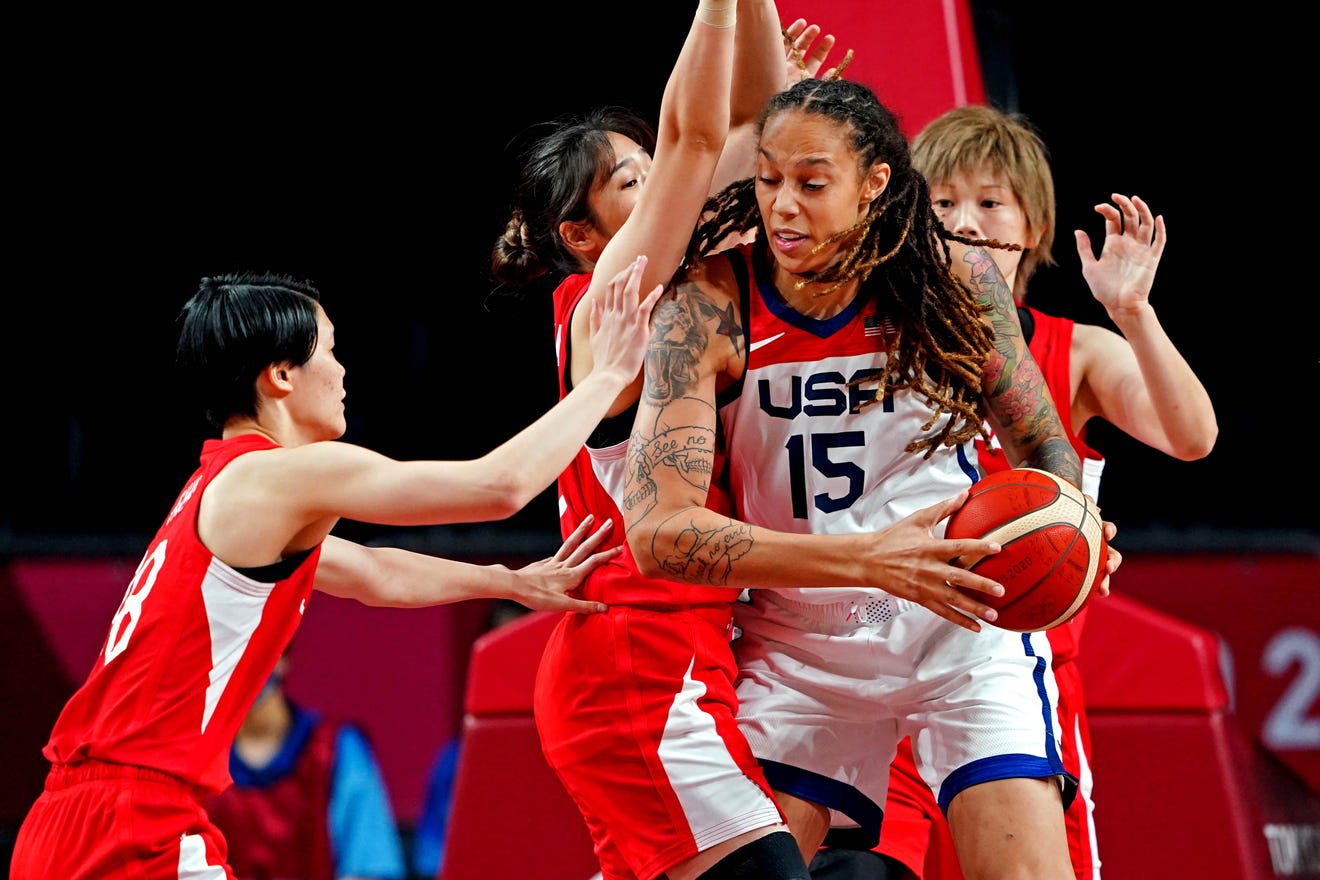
796 55
898 251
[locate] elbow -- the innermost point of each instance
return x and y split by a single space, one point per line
647 565
512 501
700 140
1200 446
504 496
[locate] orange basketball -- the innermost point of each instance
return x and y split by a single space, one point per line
1053 541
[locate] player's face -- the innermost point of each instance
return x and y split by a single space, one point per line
809 187
317 401
980 203
613 200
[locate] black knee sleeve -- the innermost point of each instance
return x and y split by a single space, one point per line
773 857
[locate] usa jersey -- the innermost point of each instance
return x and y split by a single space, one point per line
808 453
594 483
190 647
815 447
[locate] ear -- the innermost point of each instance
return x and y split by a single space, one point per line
877 178
579 236
274 380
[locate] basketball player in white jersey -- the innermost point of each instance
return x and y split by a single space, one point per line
226 580
989 177
862 361
635 708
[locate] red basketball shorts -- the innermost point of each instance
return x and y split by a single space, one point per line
100 821
637 716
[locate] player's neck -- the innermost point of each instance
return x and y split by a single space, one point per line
815 299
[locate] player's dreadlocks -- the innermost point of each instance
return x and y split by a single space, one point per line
941 343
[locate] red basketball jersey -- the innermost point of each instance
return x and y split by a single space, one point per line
189 649
594 483
635 708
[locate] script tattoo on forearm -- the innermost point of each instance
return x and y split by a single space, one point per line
683 548
703 556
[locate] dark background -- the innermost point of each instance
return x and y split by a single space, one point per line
371 157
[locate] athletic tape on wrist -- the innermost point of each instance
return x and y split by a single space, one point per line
718 13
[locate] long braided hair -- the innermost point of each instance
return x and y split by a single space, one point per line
899 252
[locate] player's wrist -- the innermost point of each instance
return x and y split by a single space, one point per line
612 378
1131 316
718 13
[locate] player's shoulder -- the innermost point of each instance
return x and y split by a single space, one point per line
300 468
1095 339
712 270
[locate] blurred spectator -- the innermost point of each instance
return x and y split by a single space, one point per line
429 839
308 800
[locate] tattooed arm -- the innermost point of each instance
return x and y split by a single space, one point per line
696 338
1018 403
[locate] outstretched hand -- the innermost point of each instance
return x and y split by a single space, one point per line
914 564
621 324
545 585
805 51
1134 241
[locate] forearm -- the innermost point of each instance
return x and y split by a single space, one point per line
673 535
1176 396
503 481
695 103
533 458
1028 426
1018 402
671 465
693 126
413 580
396 578
671 532
758 59
696 545
758 65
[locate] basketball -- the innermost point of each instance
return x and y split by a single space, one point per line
1053 541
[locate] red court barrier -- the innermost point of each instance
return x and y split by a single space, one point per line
505 791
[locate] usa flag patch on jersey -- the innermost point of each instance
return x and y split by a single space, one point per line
873 325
